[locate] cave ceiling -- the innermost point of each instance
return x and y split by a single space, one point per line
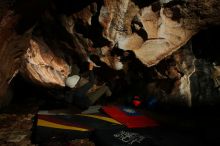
41 39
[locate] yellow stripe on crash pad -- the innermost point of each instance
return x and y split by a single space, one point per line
101 118
45 123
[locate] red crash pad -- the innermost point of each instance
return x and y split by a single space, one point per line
129 117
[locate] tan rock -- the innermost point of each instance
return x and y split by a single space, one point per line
42 66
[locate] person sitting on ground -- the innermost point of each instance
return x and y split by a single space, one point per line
84 92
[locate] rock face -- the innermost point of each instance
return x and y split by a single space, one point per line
168 26
12 47
42 40
116 17
165 36
42 66
185 80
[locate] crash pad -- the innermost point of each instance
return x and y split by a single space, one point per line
130 117
69 127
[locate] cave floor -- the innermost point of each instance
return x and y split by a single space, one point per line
201 124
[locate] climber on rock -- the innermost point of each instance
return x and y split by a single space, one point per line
84 91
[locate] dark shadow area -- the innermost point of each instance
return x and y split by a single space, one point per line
93 32
206 45
69 7
30 12
144 3
30 98
26 97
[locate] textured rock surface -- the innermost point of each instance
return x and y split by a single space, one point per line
116 17
182 79
42 66
168 28
16 129
12 47
165 36
64 34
